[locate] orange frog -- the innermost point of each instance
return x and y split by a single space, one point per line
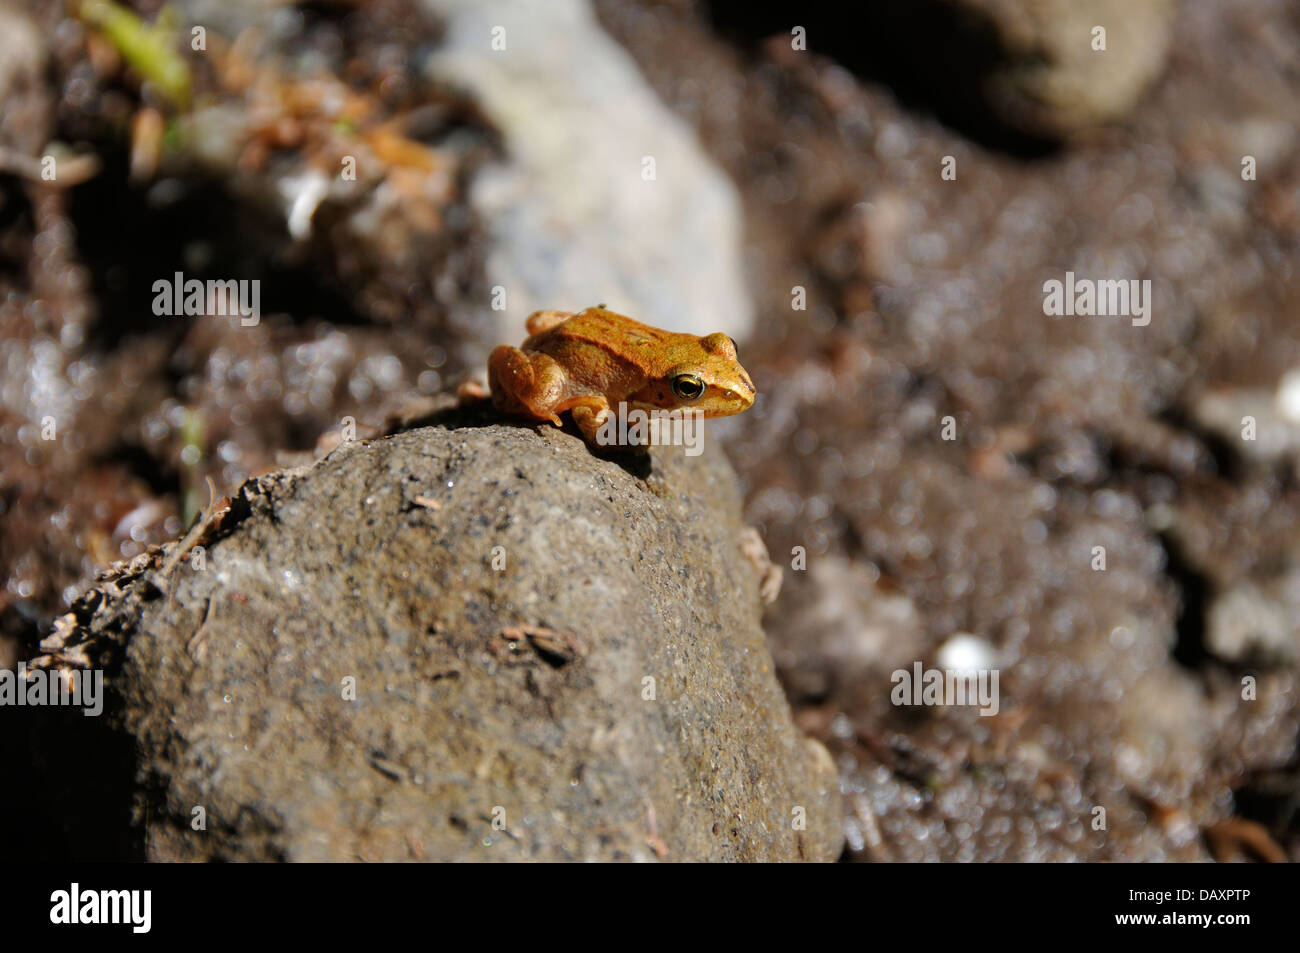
587 363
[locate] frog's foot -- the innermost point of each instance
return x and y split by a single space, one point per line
590 416
471 390
528 385
540 321
769 574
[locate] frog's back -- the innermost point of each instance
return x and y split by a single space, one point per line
637 349
597 325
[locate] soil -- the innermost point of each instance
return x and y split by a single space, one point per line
925 301
1140 718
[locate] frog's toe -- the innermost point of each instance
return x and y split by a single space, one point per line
540 321
472 390
590 420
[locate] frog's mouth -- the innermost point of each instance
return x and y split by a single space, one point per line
736 399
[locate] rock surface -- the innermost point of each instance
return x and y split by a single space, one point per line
1057 77
517 694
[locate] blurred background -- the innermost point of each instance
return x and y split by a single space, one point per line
870 203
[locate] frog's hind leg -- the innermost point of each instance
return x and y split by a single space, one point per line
526 384
540 321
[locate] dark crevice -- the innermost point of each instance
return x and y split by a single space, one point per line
130 240
74 793
1226 459
1272 799
17 226
1193 588
934 56
162 481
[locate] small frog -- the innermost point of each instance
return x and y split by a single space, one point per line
587 363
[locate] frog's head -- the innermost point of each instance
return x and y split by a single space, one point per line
705 375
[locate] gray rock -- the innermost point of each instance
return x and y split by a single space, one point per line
1257 424
517 694
849 628
1053 81
25 121
1257 620
572 220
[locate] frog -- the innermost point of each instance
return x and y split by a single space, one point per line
588 362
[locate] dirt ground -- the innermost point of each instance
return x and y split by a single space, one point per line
924 300
1122 688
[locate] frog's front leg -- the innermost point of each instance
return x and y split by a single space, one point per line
532 384
590 415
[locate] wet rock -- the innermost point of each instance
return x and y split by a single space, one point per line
565 645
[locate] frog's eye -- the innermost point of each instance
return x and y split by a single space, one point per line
688 387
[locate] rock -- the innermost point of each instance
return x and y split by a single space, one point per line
1257 620
850 629
1052 81
1260 426
501 598
572 220
964 652
25 121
